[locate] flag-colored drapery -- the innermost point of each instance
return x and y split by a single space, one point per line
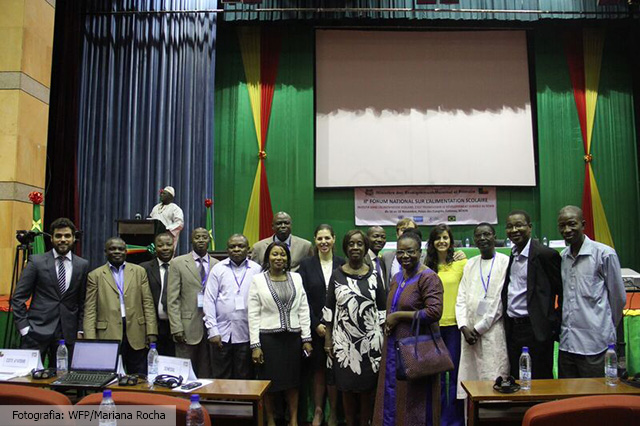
584 57
37 246
260 48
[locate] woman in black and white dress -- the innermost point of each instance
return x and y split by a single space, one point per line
354 313
279 327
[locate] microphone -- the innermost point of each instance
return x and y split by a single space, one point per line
138 216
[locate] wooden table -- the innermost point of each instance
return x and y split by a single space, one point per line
541 390
239 390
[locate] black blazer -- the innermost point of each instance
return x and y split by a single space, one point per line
315 287
544 283
48 307
155 284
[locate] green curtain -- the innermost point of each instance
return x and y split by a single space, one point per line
560 147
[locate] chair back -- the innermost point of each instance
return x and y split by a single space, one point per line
144 398
585 411
30 395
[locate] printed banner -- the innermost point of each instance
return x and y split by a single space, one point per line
453 205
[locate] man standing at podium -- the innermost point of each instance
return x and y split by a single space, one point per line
169 213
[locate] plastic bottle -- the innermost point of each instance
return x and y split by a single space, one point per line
611 366
195 414
545 242
62 358
507 242
467 242
525 369
152 364
107 407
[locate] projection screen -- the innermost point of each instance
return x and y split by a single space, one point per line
423 108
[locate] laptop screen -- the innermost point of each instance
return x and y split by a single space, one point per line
91 355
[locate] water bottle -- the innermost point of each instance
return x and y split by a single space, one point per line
152 364
525 369
466 242
62 358
611 366
507 242
195 414
545 242
107 410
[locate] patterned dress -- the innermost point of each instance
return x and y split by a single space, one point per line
355 309
407 403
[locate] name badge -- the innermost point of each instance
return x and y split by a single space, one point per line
482 307
200 300
240 305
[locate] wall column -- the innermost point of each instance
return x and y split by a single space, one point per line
26 45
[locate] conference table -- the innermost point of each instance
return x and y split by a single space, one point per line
252 391
482 392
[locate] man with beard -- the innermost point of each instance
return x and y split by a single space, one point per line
158 275
56 283
185 296
298 247
225 311
531 285
594 297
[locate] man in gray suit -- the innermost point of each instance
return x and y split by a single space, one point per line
281 225
188 276
56 282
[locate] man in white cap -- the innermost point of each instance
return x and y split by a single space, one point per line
169 213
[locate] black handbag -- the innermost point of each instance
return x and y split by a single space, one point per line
420 356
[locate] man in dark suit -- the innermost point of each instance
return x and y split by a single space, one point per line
529 298
158 275
56 281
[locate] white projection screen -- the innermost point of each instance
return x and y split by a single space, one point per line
423 108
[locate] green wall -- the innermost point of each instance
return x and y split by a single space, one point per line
290 145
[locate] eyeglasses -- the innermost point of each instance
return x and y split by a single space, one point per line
411 252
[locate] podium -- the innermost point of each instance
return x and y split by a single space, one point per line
139 233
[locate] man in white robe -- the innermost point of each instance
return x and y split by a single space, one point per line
169 213
479 312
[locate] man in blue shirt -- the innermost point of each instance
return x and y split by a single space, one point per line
594 297
225 311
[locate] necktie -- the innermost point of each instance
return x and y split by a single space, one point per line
165 274
62 278
202 272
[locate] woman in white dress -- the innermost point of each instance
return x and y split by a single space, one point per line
479 312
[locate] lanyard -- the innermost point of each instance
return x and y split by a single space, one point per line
486 286
401 287
244 274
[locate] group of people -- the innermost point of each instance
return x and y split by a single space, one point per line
286 307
